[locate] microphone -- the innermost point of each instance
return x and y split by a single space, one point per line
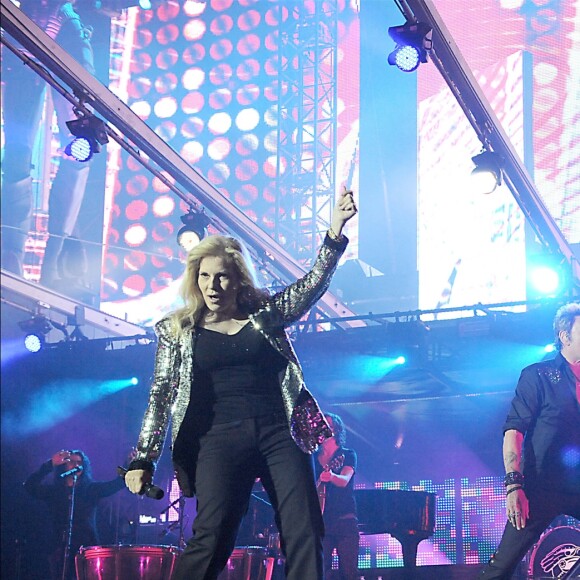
148 489
72 471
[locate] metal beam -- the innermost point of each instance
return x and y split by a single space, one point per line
93 93
448 59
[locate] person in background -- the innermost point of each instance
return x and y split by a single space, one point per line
22 103
229 379
541 447
335 470
71 479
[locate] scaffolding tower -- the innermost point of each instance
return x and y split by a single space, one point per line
307 127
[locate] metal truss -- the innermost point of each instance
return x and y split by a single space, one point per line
449 61
139 140
307 128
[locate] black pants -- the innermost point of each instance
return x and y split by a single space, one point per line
342 535
231 456
544 507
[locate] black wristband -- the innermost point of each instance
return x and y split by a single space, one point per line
513 489
513 478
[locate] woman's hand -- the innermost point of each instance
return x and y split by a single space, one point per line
60 458
135 479
344 209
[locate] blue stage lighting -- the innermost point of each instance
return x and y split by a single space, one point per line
36 329
80 149
547 275
90 133
550 348
413 42
134 381
33 342
400 360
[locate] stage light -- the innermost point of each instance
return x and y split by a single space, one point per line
400 360
193 230
36 330
413 42
551 347
547 275
486 175
90 133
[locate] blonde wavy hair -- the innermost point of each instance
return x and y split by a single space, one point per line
231 251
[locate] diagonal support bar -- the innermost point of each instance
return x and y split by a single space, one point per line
448 59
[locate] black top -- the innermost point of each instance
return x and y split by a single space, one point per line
546 410
236 376
339 500
57 497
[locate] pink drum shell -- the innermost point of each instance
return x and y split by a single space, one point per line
126 562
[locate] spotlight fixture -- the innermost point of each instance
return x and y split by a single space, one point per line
487 173
193 230
413 42
36 329
548 275
90 133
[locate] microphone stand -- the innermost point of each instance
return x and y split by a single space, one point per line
68 533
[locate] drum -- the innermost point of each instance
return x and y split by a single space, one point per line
126 562
248 563
555 554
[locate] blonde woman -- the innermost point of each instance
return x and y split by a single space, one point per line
227 376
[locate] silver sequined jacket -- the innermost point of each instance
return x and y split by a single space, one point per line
173 374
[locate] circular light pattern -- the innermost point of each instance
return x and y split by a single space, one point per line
113 236
168 11
220 98
166 58
247 119
221 5
219 123
165 107
192 127
133 164
134 286
246 195
269 166
220 74
137 185
194 7
271 116
276 15
135 235
165 83
167 34
111 261
219 149
271 142
270 193
221 25
139 87
140 63
142 38
247 144
249 44
160 281
192 152
247 169
248 94
142 109
218 173
194 30
134 261
221 49
162 231
271 66
136 209
272 91
248 69
249 20
193 78
166 130
271 41
192 103
193 54
163 206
